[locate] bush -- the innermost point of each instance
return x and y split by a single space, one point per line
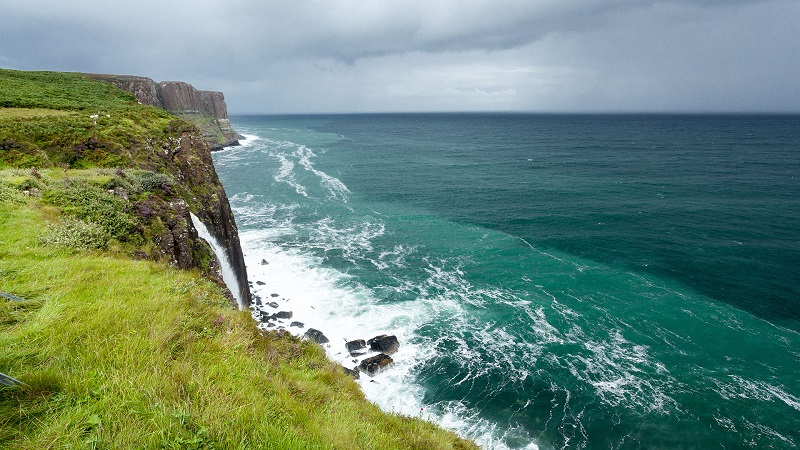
93 204
75 234
11 195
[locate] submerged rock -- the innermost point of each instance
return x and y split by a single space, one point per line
384 344
376 364
316 336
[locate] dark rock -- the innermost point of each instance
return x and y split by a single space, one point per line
352 372
316 336
260 283
264 262
274 295
384 344
273 304
354 346
282 315
376 364
297 324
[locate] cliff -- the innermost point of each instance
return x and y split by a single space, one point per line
154 168
206 109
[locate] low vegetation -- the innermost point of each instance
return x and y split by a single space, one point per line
117 352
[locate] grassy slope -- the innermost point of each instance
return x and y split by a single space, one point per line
119 353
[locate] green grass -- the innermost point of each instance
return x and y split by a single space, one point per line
46 121
59 90
117 353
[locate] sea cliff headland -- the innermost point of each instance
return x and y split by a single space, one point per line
116 322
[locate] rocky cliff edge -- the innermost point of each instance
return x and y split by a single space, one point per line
206 109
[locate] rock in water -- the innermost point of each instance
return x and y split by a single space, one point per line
297 324
282 315
264 262
354 346
376 364
384 344
316 336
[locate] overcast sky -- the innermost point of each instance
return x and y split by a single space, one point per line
297 56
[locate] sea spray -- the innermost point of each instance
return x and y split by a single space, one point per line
228 273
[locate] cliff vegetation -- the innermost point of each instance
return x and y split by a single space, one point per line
111 316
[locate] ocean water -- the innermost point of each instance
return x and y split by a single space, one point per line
561 281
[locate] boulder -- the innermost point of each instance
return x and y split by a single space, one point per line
354 346
376 364
297 324
264 262
384 344
316 336
282 315
260 283
274 295
273 304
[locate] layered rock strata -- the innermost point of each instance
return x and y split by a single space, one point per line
206 109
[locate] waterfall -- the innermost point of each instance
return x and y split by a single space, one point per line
228 274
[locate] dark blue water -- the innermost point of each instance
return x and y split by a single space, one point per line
624 281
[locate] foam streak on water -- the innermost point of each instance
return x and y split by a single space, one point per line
506 342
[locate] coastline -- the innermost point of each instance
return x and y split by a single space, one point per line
320 298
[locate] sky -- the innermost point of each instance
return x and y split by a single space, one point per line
340 56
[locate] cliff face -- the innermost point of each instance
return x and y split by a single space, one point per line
206 109
186 154
194 173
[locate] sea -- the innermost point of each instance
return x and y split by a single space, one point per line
554 281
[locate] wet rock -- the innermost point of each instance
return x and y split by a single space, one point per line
274 295
384 344
354 346
282 315
273 304
297 324
352 372
316 336
376 364
264 262
260 283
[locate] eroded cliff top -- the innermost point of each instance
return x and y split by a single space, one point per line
206 109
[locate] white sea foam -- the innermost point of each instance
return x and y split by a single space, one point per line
333 302
334 186
285 174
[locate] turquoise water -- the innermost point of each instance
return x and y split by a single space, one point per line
555 281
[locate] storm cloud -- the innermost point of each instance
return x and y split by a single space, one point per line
434 55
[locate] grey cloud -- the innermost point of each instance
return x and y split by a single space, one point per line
350 55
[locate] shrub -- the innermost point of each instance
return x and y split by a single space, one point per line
93 204
11 195
75 234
